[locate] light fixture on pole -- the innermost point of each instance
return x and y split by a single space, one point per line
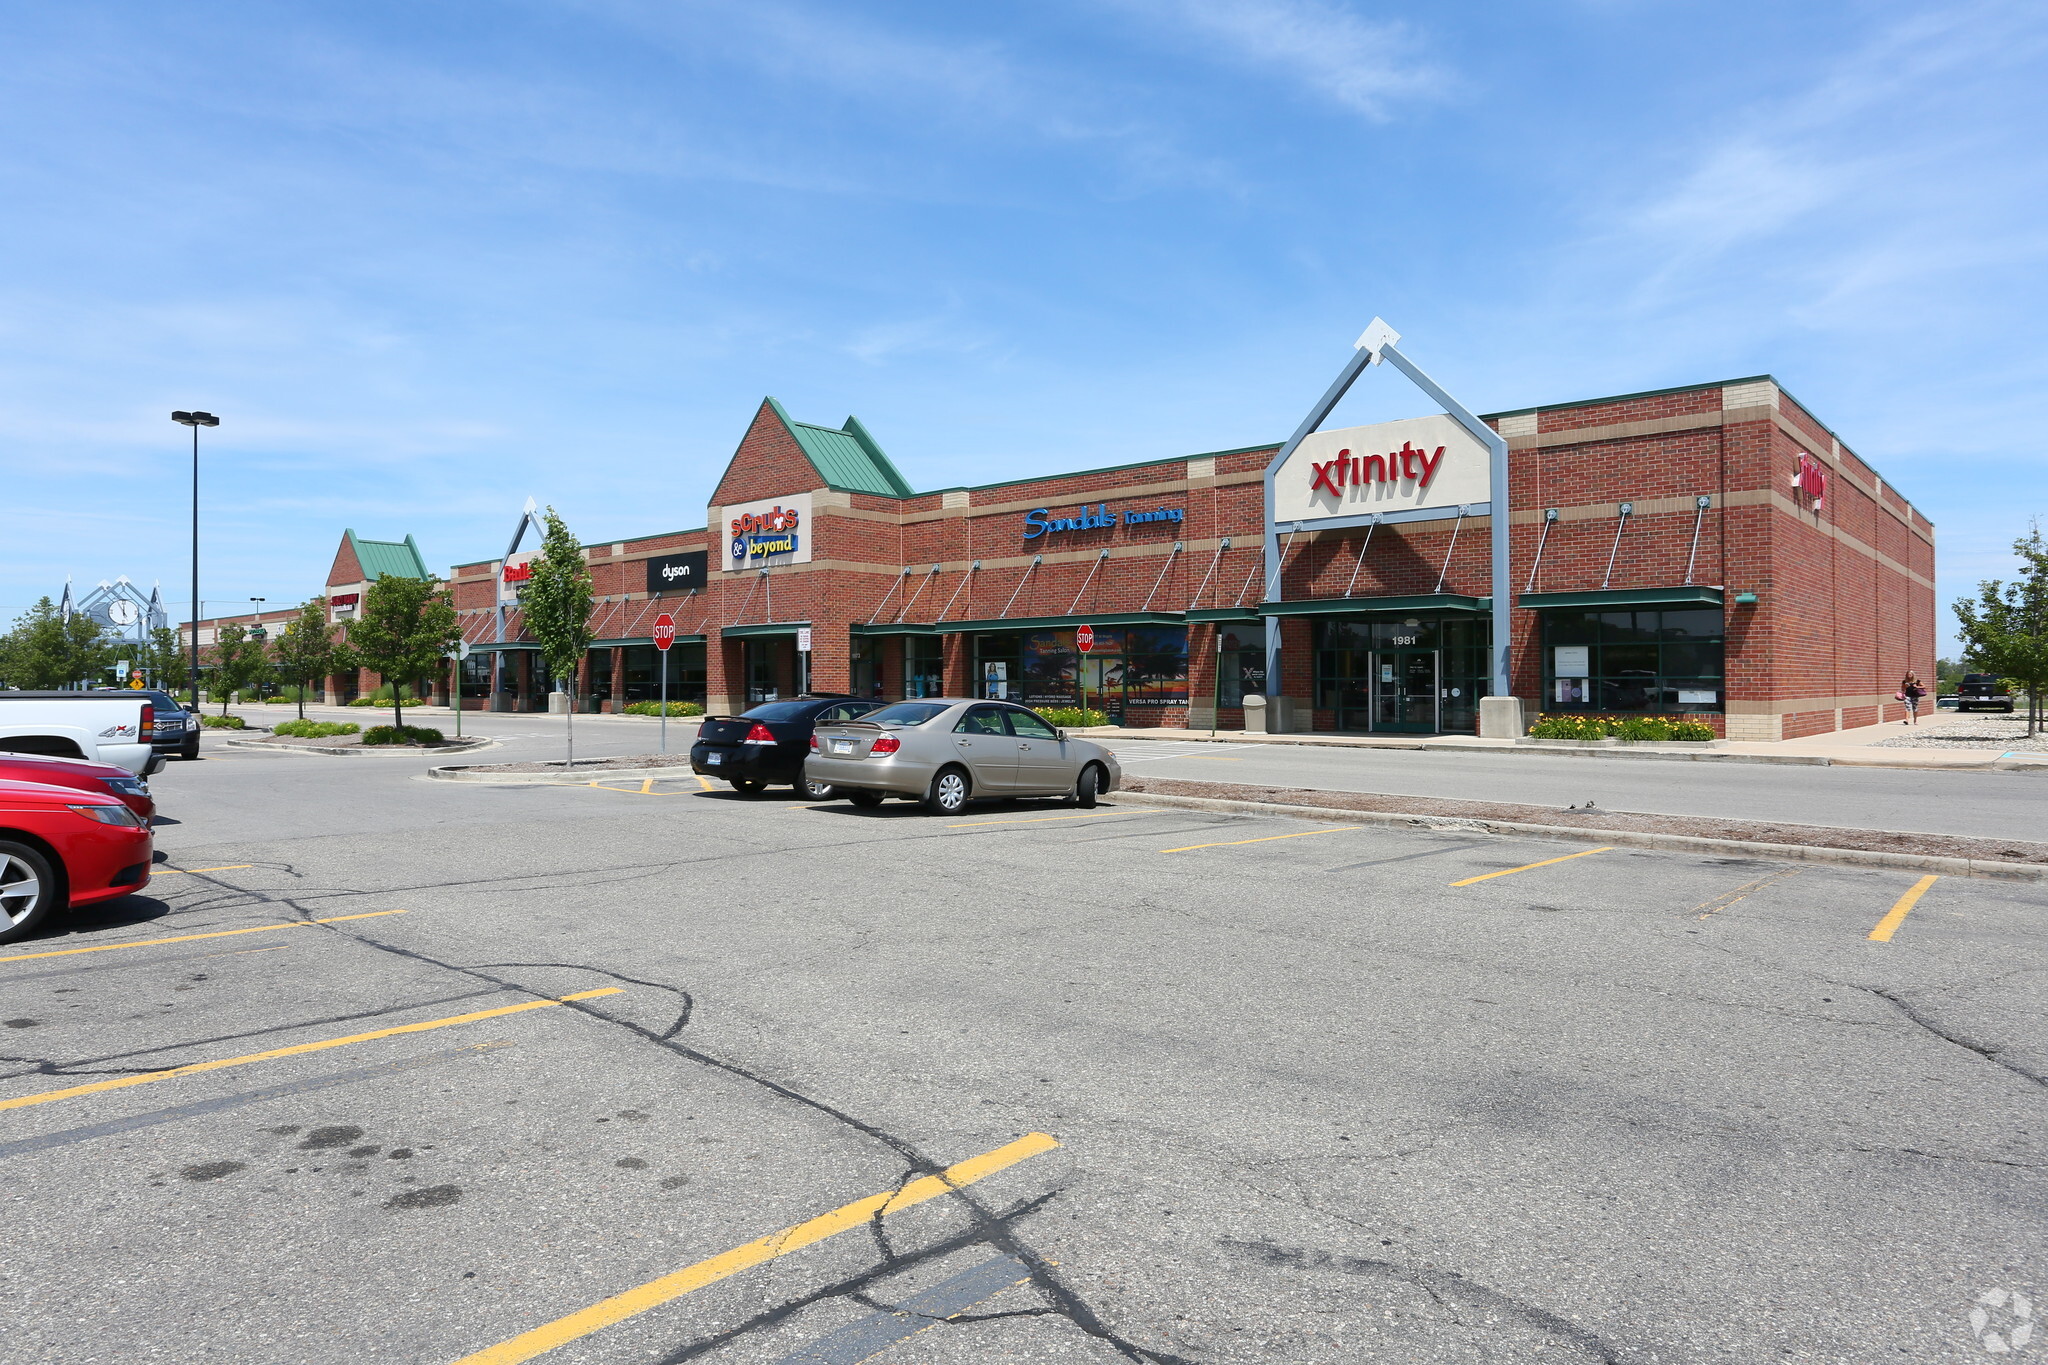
195 420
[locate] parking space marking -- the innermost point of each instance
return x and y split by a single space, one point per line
867 1338
1232 843
128 1124
653 1294
176 871
1896 916
644 789
296 1050
702 781
1525 867
1708 909
187 938
1040 819
14 978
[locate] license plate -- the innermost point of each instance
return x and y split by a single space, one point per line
842 746
714 759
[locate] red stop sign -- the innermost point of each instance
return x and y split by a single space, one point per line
664 631
1084 639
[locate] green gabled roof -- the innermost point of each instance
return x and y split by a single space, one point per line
847 456
399 558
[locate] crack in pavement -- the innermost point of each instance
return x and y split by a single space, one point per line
1989 1054
1440 1285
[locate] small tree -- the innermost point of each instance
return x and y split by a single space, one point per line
46 651
238 661
557 607
2005 631
407 625
162 658
306 649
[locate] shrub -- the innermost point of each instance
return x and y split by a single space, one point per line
289 696
393 734
382 697
653 708
315 729
223 722
1692 730
1073 717
1644 728
1568 727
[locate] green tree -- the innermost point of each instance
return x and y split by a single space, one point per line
556 604
2005 631
1948 676
162 658
306 649
46 651
239 660
406 626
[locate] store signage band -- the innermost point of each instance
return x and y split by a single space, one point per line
668 575
1416 466
1037 523
770 531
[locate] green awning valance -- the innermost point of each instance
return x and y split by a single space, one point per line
1107 618
1625 597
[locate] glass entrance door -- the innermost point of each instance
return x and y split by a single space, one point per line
1404 691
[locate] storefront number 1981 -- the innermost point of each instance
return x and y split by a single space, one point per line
1404 639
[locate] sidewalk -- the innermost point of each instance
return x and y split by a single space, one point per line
1840 748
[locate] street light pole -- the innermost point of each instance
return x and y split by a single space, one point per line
195 420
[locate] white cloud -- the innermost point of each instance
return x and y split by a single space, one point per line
1364 66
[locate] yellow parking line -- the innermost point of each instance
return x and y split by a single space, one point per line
1896 916
1041 819
1511 871
174 871
702 781
1267 839
860 1213
298 1049
647 786
187 938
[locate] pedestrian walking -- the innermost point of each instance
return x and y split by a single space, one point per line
1910 692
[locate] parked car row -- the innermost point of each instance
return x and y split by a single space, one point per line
942 752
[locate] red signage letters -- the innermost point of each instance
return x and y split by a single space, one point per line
1408 462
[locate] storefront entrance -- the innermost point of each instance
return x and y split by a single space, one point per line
1404 692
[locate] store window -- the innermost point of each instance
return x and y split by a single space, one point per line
476 677
924 666
864 669
1661 661
1240 664
1140 669
642 678
1409 675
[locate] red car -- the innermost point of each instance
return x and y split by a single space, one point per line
60 846
101 779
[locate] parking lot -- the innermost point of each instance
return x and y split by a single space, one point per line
642 1071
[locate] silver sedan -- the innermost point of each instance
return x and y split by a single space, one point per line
947 751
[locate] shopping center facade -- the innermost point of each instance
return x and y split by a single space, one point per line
1712 551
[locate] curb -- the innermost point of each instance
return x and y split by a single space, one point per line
1673 843
459 772
357 750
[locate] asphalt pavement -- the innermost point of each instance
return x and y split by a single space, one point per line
643 1071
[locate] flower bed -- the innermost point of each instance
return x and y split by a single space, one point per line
1653 729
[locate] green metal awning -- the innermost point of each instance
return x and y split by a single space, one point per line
764 631
1625 597
1108 618
893 628
1201 615
1365 606
627 641
507 647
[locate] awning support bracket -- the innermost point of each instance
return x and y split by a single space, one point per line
1623 511
1172 555
1373 526
1700 505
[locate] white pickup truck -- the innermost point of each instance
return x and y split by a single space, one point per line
110 727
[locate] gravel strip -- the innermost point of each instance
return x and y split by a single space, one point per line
1698 827
1979 730
587 765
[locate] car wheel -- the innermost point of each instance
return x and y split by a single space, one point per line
747 786
948 793
29 890
817 791
868 799
1088 787
190 751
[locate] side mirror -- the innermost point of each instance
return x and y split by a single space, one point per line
1060 735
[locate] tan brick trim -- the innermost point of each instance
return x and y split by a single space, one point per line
1785 706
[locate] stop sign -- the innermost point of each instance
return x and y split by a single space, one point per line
664 631
1084 639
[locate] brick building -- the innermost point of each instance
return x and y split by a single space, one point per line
1712 551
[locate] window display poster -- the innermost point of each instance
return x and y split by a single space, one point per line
995 677
1571 691
1571 661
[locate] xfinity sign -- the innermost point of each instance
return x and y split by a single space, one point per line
1411 470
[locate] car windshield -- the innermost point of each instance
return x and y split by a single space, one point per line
782 710
908 712
1979 679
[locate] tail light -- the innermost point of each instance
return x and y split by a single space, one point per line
814 745
887 744
148 720
761 734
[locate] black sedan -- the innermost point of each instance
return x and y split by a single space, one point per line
769 743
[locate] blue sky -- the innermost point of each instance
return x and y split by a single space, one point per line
426 260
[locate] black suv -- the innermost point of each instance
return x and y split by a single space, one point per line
1984 690
177 730
770 742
